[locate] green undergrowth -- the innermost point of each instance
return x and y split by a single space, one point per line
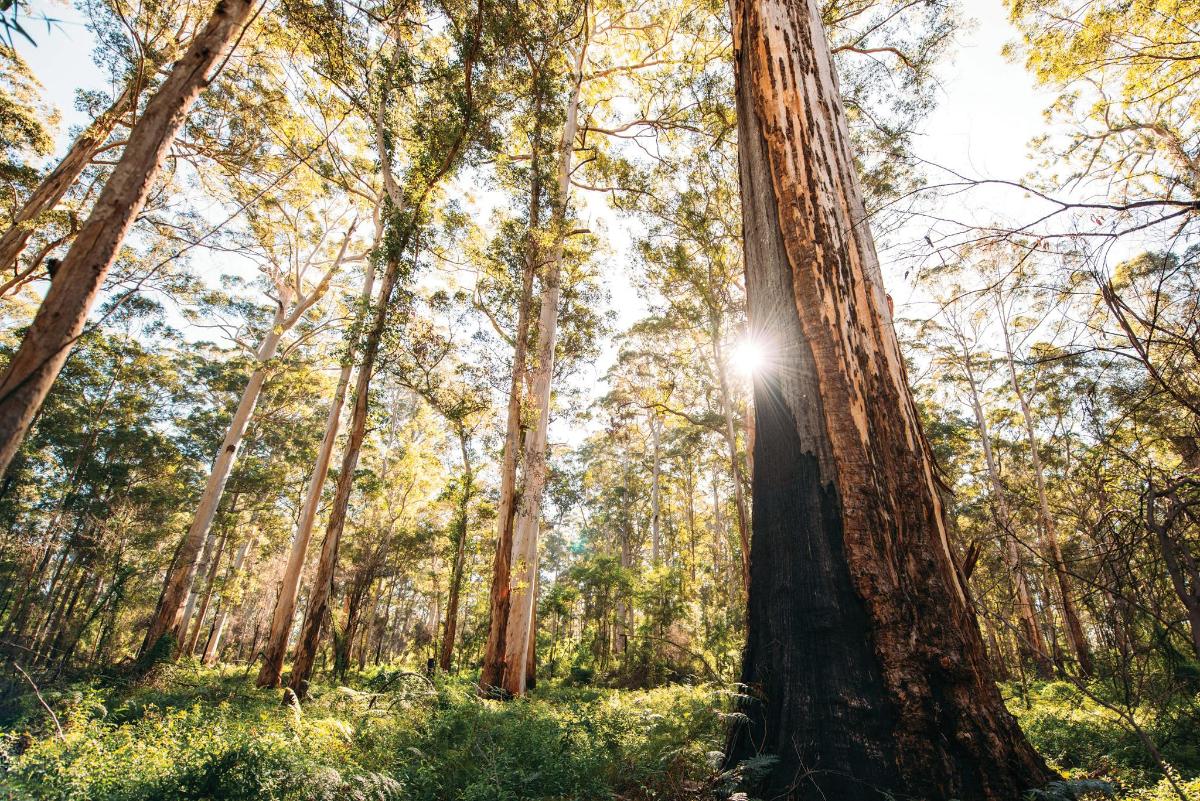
1088 741
193 733
208 734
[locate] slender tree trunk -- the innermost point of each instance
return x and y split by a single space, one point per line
322 588
210 583
1075 635
529 509
865 669
189 607
655 534
64 311
622 607
1033 644
691 518
168 617
271 672
462 524
56 183
735 468
213 647
499 600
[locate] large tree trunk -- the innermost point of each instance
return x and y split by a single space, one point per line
168 617
1033 644
1053 551
61 318
56 183
865 669
271 672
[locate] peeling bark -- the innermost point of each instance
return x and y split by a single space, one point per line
864 665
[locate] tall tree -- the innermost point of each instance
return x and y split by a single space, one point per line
275 651
60 319
865 668
451 122
288 273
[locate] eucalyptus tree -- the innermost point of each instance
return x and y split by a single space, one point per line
32 369
275 650
540 76
427 365
955 340
692 258
592 50
444 120
1005 312
96 463
25 129
856 595
300 256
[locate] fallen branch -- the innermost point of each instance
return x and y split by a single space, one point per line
38 693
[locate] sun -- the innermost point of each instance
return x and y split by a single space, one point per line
749 357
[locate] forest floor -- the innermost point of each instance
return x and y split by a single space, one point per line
193 733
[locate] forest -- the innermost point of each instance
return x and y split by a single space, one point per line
489 400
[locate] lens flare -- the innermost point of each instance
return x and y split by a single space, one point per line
749 357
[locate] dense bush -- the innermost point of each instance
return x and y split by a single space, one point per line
1084 739
192 733
202 735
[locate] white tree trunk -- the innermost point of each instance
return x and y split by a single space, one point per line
213 647
168 618
525 538
56 183
271 672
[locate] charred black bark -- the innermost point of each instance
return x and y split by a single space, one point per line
865 674
818 702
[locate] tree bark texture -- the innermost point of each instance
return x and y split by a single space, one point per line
864 667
